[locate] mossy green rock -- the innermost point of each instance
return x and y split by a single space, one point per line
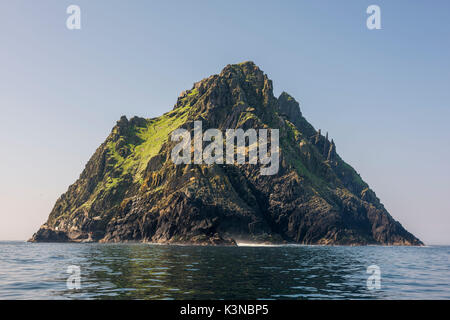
130 189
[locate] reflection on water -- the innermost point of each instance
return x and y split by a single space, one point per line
143 271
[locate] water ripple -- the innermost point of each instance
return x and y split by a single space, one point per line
143 271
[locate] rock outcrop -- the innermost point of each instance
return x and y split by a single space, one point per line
130 189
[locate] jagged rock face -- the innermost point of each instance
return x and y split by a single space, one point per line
131 190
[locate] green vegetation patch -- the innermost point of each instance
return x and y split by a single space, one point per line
151 137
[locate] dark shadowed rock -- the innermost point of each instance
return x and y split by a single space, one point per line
50 235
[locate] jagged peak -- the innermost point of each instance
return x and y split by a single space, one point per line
122 121
247 63
245 77
289 106
124 127
134 121
247 70
286 96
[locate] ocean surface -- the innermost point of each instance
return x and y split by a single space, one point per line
147 271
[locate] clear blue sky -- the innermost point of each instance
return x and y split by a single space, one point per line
383 95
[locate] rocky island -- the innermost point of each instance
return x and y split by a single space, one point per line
130 190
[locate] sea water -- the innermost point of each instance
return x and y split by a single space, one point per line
148 271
